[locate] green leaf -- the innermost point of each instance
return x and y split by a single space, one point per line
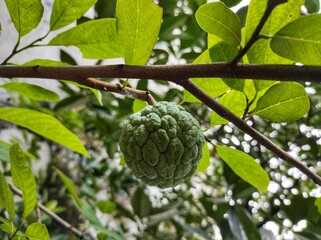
217 19
141 203
312 6
96 39
245 167
31 91
6 197
214 87
23 178
4 151
106 206
25 14
261 51
300 40
45 62
8 227
65 12
205 160
231 3
283 102
70 186
248 225
139 105
235 101
138 25
317 203
37 231
44 125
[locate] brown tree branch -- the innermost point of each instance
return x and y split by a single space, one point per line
168 72
180 74
54 216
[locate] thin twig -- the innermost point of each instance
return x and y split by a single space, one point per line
54 216
271 4
117 88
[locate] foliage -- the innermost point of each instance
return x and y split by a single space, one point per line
240 189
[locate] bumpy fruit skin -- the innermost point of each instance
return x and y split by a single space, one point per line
162 144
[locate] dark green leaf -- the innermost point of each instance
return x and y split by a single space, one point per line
231 3
312 6
141 203
44 125
31 91
300 40
70 186
247 224
66 12
6 197
138 25
37 231
96 39
25 14
215 18
23 178
283 102
244 166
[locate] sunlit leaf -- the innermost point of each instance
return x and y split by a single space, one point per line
317 203
244 166
37 231
31 91
261 51
139 105
6 197
25 14
235 101
8 227
70 186
138 25
283 102
205 160
300 40
65 12
23 178
44 125
217 19
96 39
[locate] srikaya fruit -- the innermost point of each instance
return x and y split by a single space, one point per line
162 144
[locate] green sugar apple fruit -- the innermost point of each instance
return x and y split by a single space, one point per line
162 144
